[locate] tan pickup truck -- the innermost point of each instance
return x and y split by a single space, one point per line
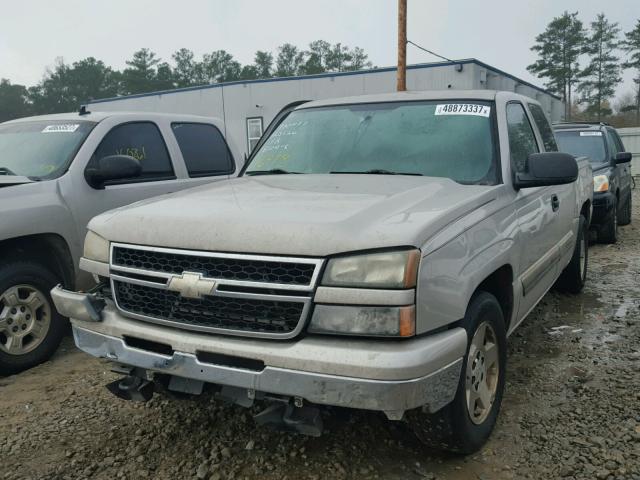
375 253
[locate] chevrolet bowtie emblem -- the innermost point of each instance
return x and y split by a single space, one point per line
191 285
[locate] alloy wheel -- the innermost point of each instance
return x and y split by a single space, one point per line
25 318
482 375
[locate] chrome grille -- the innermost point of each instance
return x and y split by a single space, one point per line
254 295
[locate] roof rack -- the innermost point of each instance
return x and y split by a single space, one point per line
602 124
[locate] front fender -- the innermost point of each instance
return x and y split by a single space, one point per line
449 275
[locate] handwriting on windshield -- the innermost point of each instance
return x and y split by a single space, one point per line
135 152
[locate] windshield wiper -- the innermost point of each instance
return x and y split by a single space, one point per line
378 171
6 171
273 171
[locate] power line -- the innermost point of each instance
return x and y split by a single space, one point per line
429 51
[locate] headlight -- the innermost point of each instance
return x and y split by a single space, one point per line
600 183
96 248
397 269
372 321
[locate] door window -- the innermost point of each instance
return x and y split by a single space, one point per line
142 141
522 141
614 145
540 119
203 148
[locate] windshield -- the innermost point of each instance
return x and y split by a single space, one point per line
41 149
438 139
583 144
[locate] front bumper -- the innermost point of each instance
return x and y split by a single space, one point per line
385 375
603 203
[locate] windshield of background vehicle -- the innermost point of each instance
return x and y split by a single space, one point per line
436 138
42 149
583 144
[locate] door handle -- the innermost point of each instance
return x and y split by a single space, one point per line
555 203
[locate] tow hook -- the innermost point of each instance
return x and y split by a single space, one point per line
299 419
132 388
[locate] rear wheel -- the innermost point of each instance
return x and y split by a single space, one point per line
609 231
30 327
574 276
465 424
625 216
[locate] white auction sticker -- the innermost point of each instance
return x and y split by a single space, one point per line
463 109
590 134
62 128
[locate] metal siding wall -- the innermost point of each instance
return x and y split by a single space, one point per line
631 140
235 103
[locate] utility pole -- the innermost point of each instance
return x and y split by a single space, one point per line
402 46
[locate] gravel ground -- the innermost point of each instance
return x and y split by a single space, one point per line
571 410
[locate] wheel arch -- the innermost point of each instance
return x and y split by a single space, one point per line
48 249
585 211
500 284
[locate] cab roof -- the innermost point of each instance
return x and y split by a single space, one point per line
410 96
99 116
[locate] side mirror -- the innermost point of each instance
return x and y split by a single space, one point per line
550 168
622 157
112 167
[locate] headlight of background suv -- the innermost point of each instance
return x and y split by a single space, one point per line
600 183
96 248
395 269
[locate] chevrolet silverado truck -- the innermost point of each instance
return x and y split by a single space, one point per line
59 171
611 164
375 253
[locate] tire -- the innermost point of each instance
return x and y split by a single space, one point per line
625 217
609 231
30 327
452 428
574 276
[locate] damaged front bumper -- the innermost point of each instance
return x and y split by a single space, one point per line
389 376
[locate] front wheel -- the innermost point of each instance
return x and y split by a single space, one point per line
609 231
30 327
465 424
625 217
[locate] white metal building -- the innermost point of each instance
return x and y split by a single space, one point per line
631 140
247 107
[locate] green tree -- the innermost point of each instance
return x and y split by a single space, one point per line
263 62
249 72
219 66
141 74
316 58
558 49
602 74
288 61
187 71
14 101
338 58
359 60
66 87
631 45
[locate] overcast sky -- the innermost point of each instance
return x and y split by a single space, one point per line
499 32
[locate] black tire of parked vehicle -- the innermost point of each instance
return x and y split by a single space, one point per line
574 276
451 429
34 275
609 231
625 216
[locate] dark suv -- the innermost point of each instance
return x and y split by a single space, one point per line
611 173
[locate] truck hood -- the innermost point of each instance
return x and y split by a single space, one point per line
7 180
311 215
